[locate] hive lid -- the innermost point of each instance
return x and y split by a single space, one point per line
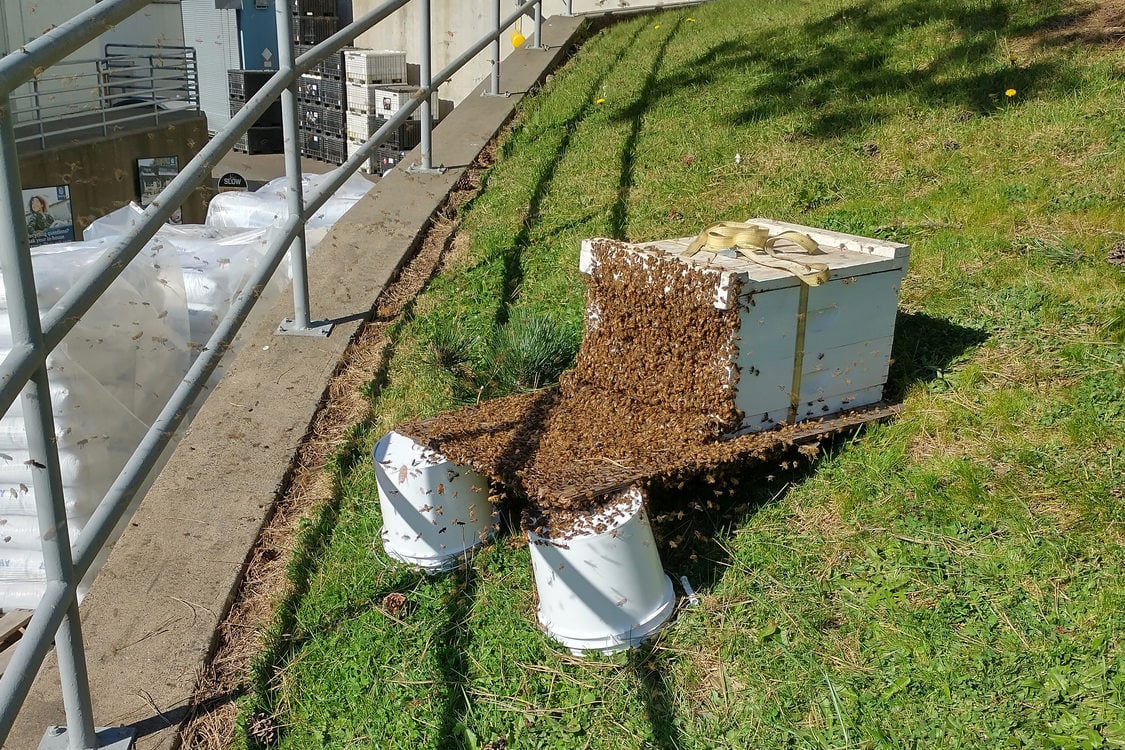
846 255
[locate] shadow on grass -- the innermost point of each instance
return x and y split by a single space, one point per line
513 254
836 75
924 349
285 639
691 516
836 71
619 215
452 657
656 695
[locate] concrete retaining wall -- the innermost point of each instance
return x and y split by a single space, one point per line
102 172
456 25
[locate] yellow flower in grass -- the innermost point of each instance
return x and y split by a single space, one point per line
600 100
1010 93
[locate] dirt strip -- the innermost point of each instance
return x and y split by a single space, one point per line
211 723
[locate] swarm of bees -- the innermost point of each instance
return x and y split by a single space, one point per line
650 401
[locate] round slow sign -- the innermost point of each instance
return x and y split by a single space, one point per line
232 181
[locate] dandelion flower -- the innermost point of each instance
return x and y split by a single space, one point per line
600 100
657 26
1010 93
691 20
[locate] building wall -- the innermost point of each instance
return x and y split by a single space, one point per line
158 24
71 88
25 20
457 24
102 173
214 34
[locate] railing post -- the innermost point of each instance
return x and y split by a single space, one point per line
425 80
495 90
299 325
538 26
570 7
23 316
152 88
38 108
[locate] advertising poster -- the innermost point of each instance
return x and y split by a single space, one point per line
48 215
154 173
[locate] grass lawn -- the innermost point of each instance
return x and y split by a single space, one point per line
955 578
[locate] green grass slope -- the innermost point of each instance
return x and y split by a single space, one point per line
955 578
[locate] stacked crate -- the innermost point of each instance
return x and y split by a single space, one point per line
265 136
314 20
375 89
320 92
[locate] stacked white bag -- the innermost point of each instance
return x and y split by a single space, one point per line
108 380
119 365
268 205
215 262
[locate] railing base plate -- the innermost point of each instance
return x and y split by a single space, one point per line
417 168
109 738
319 329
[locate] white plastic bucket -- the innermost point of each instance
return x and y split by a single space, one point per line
605 589
434 511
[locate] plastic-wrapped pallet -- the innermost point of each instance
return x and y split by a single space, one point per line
117 368
267 206
362 126
108 380
216 262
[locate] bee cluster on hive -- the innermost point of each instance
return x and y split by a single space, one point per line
653 397
651 383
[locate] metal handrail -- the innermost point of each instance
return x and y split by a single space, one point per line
23 372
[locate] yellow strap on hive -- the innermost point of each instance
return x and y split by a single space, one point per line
755 243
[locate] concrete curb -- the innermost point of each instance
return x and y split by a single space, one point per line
150 619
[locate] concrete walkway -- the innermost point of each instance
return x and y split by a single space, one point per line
150 618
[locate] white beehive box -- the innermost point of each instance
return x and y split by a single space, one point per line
385 101
374 66
849 323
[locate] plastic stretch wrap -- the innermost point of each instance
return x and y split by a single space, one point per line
214 262
21 534
118 366
267 206
134 341
108 379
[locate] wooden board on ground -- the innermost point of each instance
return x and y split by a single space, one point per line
484 437
12 624
803 433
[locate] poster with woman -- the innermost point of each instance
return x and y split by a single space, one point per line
48 215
